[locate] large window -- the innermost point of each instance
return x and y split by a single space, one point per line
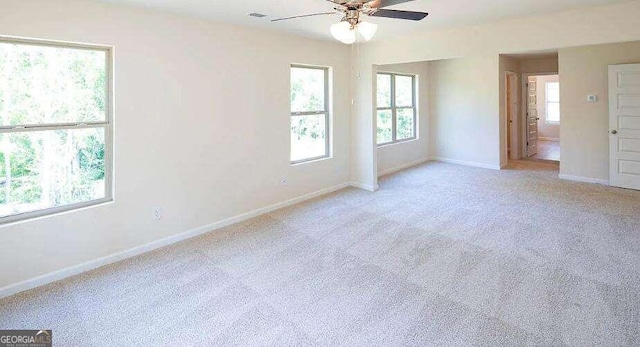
396 108
309 113
55 127
552 92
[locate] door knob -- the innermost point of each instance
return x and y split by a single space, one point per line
614 132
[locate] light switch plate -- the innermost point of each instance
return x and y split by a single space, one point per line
592 98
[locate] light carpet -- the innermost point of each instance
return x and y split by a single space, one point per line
440 255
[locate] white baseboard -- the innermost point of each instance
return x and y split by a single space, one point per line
402 167
584 179
466 163
364 186
552 139
132 252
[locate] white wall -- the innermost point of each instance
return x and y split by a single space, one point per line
201 128
401 154
202 114
478 44
464 110
584 129
550 131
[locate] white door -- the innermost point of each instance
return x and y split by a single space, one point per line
509 116
512 116
532 118
624 125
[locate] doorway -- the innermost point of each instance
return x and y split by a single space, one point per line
542 117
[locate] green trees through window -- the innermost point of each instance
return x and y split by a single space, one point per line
309 113
396 109
54 125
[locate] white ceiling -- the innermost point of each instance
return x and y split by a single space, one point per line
443 13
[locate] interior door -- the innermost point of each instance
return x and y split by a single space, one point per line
624 125
509 116
532 117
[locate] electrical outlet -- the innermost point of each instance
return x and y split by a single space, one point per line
157 213
284 182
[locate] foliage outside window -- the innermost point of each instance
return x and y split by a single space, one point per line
309 113
552 92
54 128
396 108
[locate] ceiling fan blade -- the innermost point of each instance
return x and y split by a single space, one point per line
410 15
303 16
386 3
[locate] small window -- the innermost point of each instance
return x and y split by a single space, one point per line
552 92
309 113
55 128
396 108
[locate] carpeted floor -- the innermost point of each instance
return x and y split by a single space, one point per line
441 255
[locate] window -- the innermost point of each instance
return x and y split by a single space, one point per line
552 92
309 113
396 108
55 127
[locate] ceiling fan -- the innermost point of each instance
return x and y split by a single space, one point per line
352 24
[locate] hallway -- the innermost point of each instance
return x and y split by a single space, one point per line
548 150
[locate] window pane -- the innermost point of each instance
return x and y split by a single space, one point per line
553 112
404 124
553 92
308 137
384 90
42 84
404 91
307 89
44 169
384 127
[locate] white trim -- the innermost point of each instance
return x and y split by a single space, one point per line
365 186
584 179
57 275
552 139
402 167
466 163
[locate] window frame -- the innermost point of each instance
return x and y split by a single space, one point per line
394 108
326 112
106 124
547 102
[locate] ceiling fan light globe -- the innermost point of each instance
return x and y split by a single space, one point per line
367 30
342 32
350 39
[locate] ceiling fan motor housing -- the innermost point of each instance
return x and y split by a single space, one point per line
352 16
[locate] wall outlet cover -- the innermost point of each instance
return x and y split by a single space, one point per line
157 213
592 98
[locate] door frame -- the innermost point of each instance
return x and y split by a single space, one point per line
523 109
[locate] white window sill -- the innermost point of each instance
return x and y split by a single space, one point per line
398 142
311 161
27 217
